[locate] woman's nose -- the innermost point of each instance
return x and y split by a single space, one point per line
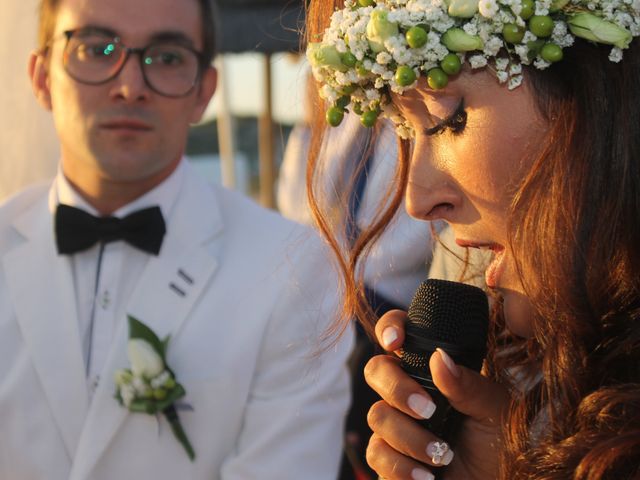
431 193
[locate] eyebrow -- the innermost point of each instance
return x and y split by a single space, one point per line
172 36
95 29
168 36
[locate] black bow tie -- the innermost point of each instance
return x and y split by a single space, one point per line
77 230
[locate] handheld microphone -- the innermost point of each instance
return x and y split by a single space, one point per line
454 317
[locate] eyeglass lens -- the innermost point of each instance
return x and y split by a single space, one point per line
94 58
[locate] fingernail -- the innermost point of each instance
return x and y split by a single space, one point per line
419 474
421 405
448 361
389 335
440 453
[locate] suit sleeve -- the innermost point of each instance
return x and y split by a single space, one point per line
294 419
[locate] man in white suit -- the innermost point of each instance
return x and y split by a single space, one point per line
245 295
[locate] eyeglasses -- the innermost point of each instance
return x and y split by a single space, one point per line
168 68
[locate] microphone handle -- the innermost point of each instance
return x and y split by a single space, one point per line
446 421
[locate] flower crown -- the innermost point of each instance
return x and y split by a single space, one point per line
373 46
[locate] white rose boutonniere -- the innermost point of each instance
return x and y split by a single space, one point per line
149 386
145 362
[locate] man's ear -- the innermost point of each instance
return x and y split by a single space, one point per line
39 76
208 84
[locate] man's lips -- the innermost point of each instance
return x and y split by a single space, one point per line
126 124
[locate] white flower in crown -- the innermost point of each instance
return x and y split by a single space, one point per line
515 82
615 55
478 61
383 58
502 64
488 8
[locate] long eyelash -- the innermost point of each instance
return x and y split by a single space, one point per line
454 123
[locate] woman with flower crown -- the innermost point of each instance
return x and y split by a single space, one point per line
519 125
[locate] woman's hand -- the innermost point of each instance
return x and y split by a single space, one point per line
399 447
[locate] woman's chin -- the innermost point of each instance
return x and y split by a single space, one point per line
517 312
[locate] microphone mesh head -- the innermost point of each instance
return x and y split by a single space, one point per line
450 312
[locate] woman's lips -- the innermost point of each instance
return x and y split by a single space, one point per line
496 267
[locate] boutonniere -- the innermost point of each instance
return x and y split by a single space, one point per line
150 386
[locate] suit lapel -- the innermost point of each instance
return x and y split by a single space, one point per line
163 298
41 289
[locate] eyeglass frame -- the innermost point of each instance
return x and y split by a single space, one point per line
68 35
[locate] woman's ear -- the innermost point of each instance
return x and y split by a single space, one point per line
39 75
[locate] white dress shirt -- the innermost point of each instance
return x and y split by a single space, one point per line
104 275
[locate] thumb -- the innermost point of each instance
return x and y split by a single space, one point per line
467 391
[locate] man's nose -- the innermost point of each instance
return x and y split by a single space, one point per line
130 84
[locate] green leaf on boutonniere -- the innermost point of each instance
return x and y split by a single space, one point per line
175 394
143 406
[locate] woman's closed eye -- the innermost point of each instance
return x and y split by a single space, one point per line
454 123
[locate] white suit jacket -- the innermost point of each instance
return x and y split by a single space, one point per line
268 401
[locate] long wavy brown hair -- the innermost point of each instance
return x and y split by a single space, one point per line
574 228
349 260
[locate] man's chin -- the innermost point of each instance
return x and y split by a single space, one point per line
131 169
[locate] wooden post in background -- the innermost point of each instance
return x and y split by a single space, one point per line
225 128
266 150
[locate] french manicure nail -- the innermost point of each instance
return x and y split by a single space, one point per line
421 405
389 335
419 474
448 361
440 453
